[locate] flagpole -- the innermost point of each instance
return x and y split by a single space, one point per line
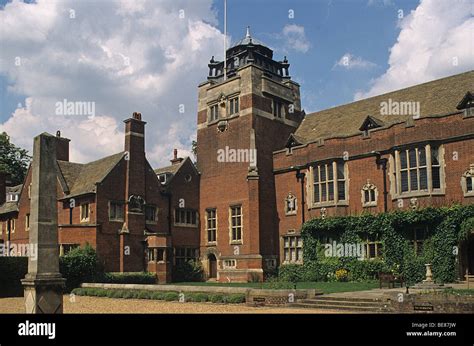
225 39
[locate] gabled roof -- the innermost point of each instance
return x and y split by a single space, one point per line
173 169
8 207
439 97
82 178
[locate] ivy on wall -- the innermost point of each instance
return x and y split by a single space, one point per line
445 228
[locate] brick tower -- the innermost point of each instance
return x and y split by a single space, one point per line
243 117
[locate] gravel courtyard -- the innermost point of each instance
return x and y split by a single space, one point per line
96 305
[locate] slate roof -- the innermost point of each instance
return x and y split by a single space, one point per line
14 189
439 97
8 207
82 178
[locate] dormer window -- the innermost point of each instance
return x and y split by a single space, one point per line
370 123
467 104
12 197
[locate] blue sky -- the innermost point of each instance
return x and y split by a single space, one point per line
339 51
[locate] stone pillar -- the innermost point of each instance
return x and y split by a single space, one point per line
43 283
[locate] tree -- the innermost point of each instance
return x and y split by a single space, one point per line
13 160
194 148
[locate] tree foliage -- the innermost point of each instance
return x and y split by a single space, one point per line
13 160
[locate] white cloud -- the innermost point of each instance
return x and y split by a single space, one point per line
295 38
349 61
435 41
123 55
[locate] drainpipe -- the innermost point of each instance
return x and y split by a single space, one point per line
300 177
382 162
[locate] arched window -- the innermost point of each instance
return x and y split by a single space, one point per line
369 195
467 181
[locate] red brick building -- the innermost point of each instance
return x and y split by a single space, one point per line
116 204
263 168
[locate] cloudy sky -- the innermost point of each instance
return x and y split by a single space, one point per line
149 56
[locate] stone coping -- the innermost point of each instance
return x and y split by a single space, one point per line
207 289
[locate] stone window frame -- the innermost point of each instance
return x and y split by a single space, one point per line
288 246
278 112
214 229
289 198
369 187
395 175
85 219
27 222
377 245
186 256
336 201
65 248
110 210
186 224
153 253
237 241
10 225
231 101
229 264
469 174
418 242
213 108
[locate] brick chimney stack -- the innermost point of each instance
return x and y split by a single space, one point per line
62 147
176 159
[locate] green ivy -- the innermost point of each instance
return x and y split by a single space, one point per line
447 227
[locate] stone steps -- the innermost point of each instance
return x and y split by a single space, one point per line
343 303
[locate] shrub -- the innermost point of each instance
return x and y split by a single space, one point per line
190 271
170 296
80 265
143 294
143 278
201 297
101 293
275 284
216 298
158 296
128 294
235 298
291 272
12 270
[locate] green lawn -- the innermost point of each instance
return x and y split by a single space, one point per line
326 287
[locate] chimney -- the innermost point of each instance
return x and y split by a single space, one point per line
62 147
3 187
135 134
176 159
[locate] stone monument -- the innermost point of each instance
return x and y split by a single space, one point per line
43 283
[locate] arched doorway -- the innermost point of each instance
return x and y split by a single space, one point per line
211 258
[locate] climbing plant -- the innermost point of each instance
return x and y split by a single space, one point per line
445 228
